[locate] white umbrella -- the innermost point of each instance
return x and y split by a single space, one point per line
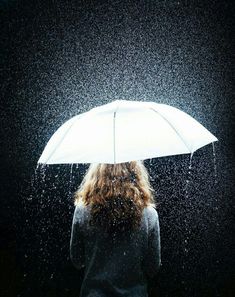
123 131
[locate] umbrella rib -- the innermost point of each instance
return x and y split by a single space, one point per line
169 123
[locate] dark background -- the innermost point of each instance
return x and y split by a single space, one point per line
61 58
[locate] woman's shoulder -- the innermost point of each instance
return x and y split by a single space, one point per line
151 210
81 211
151 213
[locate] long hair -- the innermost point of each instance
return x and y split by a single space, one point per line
116 193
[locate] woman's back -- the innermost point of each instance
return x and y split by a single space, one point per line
116 264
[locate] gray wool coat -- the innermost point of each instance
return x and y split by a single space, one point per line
117 265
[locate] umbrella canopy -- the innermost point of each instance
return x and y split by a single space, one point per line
123 131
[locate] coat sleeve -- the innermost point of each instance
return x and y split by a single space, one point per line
153 261
77 240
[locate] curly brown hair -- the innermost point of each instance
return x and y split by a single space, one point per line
117 194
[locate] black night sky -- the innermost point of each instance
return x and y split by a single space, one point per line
61 58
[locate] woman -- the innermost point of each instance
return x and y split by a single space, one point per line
115 231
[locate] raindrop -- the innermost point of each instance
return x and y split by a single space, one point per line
36 174
71 171
70 179
34 181
190 162
42 171
189 175
30 197
214 161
